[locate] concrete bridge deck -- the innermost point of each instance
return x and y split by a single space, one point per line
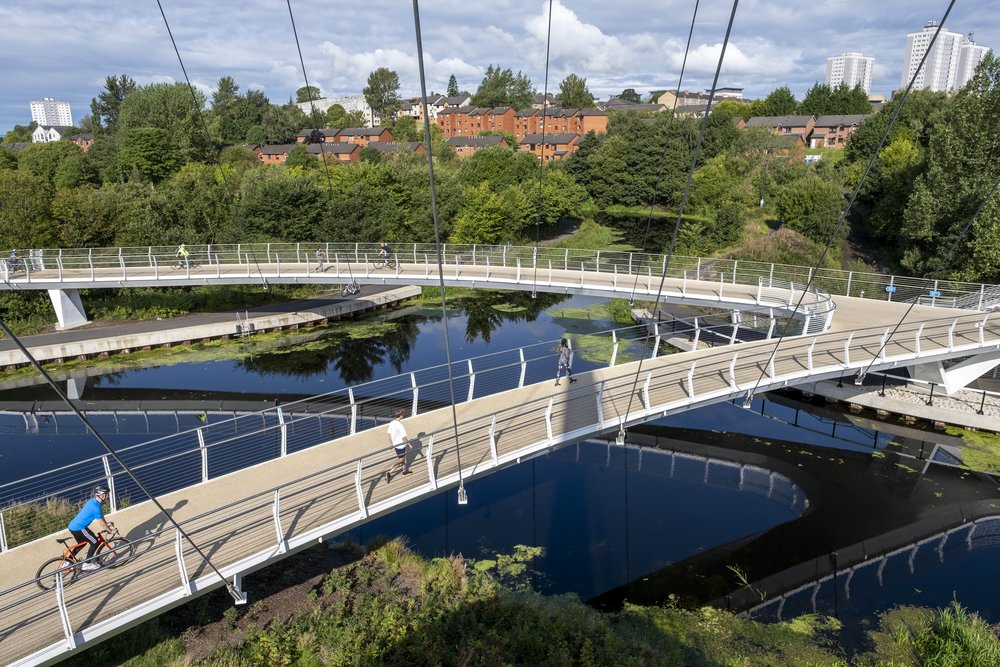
254 516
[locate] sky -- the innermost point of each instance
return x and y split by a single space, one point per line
54 48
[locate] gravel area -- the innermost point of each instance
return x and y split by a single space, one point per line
962 401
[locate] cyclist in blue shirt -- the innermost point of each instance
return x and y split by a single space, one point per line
92 513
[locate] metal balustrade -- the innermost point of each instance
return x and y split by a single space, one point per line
253 262
249 531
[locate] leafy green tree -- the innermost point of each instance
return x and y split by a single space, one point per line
76 169
238 158
961 170
780 102
199 203
630 95
84 217
818 101
452 86
338 117
225 102
8 159
308 94
923 111
382 93
25 200
499 167
501 87
850 100
405 128
280 125
277 205
149 153
300 156
562 198
20 134
573 93
167 108
106 107
488 217
811 206
43 160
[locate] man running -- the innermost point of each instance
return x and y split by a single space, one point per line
400 443
92 513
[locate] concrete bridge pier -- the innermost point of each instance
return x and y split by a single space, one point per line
75 387
68 307
959 376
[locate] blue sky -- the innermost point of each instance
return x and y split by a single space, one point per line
51 48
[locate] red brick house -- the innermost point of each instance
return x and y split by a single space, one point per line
466 146
363 135
556 146
833 131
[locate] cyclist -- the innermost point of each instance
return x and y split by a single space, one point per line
384 251
13 261
184 254
92 513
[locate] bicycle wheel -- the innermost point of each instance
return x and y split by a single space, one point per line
47 573
378 263
119 552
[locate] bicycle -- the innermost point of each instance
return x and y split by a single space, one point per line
350 289
181 264
387 262
14 265
111 552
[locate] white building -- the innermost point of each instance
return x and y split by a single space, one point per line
49 111
853 69
969 56
940 72
43 134
350 103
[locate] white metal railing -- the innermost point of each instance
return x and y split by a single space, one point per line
249 531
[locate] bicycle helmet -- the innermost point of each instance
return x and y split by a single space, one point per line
100 490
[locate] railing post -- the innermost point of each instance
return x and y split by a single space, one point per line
354 410
951 335
982 295
809 356
690 381
732 371
850 275
760 286
548 421
430 461
770 368
359 492
697 270
770 328
982 331
920 331
111 483
614 348
645 391
416 393
600 404
697 335
3 535
517 278
566 260
276 511
63 612
204 455
472 381
656 339
181 568
493 440
847 350
524 367
283 429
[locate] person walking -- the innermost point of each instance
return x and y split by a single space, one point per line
565 362
400 443
91 514
319 258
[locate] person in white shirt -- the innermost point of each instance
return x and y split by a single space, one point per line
400 443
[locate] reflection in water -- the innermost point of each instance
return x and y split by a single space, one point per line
487 311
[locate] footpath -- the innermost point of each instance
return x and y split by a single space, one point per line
97 340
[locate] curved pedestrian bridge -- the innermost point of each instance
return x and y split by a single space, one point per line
246 517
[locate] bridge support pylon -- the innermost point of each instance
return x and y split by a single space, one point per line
68 307
959 376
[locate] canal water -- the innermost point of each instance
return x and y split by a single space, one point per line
709 491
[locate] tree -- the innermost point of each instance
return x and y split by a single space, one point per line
629 95
382 93
148 152
84 217
8 159
338 117
105 108
780 102
850 100
501 87
452 86
20 134
25 202
280 125
308 94
818 101
573 93
811 206
300 156
44 160
167 107
225 108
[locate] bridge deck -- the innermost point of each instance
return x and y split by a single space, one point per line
316 491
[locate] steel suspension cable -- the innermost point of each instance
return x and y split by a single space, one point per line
843 216
680 211
312 110
670 123
947 259
462 497
239 598
541 162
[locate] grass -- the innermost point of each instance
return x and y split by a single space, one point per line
592 236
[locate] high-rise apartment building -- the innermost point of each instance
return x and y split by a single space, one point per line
854 69
48 111
940 71
970 55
